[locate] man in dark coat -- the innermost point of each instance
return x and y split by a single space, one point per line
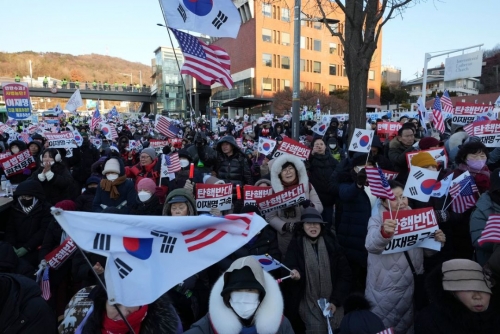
88 154
203 156
22 309
232 165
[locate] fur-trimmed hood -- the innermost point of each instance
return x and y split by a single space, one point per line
267 319
278 166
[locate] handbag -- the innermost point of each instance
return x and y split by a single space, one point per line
419 295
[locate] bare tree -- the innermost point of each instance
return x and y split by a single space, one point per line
364 20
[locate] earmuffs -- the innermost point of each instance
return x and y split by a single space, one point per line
57 158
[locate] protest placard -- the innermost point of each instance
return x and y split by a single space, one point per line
388 128
158 145
252 193
466 113
17 163
487 131
17 99
4 128
439 154
390 175
59 255
65 139
213 196
281 200
292 147
415 229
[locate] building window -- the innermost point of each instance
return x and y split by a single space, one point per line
302 65
266 35
267 60
371 93
285 38
285 14
302 17
371 75
331 89
302 42
317 25
317 45
266 9
317 87
333 69
286 83
333 48
267 84
317 67
344 72
285 62
302 85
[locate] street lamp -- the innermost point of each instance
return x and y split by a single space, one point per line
128 75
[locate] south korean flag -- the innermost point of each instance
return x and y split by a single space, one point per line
361 140
266 146
421 183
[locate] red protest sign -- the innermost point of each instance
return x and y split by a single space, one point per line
292 147
252 193
59 255
487 131
211 196
388 128
16 164
281 200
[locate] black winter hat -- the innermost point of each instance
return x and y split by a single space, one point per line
30 188
358 319
359 159
241 279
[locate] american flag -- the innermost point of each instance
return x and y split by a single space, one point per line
438 115
446 102
462 194
167 128
378 183
45 284
96 119
25 136
173 162
207 63
387 331
114 134
491 232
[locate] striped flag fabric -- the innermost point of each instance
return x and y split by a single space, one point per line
207 63
387 331
96 118
379 186
45 284
166 128
462 194
446 102
173 163
437 112
491 232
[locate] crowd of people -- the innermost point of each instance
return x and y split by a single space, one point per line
331 243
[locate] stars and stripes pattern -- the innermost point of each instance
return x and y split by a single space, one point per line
166 128
379 186
446 102
207 63
491 232
387 331
172 162
462 194
45 284
96 119
438 115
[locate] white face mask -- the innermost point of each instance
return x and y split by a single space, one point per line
144 195
15 150
112 177
244 304
184 163
333 146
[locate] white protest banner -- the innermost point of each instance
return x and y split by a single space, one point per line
266 263
74 102
361 140
487 131
17 163
466 113
373 116
320 128
439 154
290 146
64 139
281 200
415 229
266 145
213 196
59 255
248 129
420 183
4 128
441 187
158 145
252 193
388 128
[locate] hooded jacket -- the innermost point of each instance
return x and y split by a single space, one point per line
11 263
40 150
234 168
291 215
22 309
203 157
397 156
192 211
321 167
268 318
151 207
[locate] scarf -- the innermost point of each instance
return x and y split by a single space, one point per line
110 186
110 326
27 209
318 285
290 184
473 172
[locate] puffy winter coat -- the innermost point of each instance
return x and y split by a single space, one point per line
88 155
389 282
320 171
203 157
151 207
290 215
60 187
234 168
397 156
484 208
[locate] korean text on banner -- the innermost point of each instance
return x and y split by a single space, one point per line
466 113
59 255
292 147
252 193
439 154
487 131
415 229
361 140
213 196
420 184
282 200
388 128
16 164
158 145
64 139
17 99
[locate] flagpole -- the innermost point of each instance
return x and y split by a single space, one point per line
454 198
175 55
104 287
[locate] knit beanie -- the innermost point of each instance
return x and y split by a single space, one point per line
150 151
146 184
423 159
428 142
111 166
66 205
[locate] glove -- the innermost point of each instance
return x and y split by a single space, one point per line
306 203
21 252
288 227
442 216
189 186
361 177
215 212
42 265
26 171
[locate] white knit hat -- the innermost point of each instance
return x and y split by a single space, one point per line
208 179
111 166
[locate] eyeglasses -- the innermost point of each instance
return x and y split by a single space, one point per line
287 170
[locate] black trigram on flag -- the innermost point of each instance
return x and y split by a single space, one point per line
359 133
181 11
413 191
219 20
418 175
123 268
168 242
102 241
355 145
